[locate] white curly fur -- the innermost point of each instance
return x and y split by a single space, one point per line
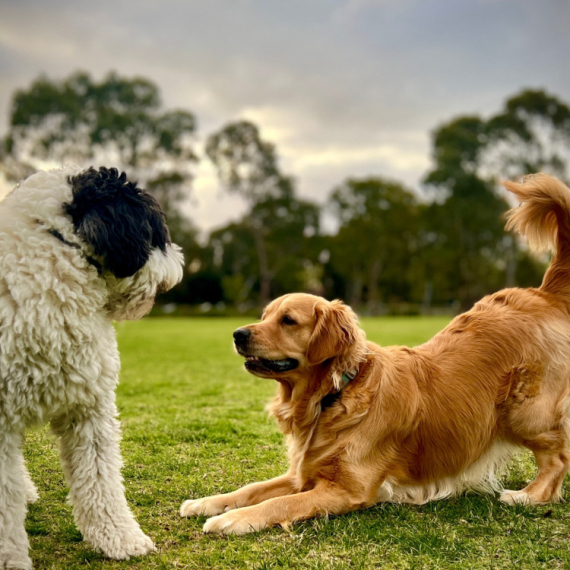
59 363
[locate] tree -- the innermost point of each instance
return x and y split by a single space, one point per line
471 155
81 119
466 226
248 167
277 221
246 164
117 121
291 225
530 134
378 227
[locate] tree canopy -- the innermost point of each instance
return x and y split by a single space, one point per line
393 248
277 220
81 119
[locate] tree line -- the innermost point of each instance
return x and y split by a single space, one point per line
394 249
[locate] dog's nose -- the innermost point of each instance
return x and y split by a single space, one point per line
241 336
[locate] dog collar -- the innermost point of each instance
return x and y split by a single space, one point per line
56 234
331 398
347 377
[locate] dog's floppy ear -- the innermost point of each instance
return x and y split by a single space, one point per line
121 222
335 331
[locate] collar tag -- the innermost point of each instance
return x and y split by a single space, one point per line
348 376
331 398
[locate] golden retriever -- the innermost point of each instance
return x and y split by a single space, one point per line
366 424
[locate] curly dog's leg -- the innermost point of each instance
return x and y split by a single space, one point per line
31 492
91 461
14 544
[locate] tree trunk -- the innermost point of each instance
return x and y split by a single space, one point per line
264 275
427 298
511 269
355 290
373 277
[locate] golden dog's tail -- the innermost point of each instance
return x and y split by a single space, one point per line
544 218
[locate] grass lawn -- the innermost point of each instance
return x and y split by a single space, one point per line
194 425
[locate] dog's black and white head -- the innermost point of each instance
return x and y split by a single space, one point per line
119 229
121 222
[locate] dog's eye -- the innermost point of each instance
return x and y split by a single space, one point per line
287 320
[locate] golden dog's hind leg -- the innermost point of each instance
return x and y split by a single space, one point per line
322 500
244 497
552 458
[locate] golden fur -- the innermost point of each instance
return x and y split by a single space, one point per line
415 424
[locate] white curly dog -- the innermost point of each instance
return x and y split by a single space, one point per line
78 249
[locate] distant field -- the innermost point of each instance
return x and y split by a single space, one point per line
193 425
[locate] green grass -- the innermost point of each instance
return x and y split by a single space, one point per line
193 425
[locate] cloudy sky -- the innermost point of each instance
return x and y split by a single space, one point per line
342 87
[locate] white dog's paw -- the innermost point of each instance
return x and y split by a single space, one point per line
15 560
32 494
516 498
30 489
208 506
123 545
239 521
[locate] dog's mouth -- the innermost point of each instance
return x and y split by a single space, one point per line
256 364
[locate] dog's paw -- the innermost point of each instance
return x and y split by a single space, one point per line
240 521
123 545
138 545
30 489
516 498
208 506
32 494
15 561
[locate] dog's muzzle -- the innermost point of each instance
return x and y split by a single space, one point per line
256 363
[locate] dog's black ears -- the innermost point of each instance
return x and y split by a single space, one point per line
121 222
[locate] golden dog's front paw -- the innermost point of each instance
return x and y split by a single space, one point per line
240 521
516 498
208 506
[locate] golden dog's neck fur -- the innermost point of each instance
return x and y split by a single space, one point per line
297 406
